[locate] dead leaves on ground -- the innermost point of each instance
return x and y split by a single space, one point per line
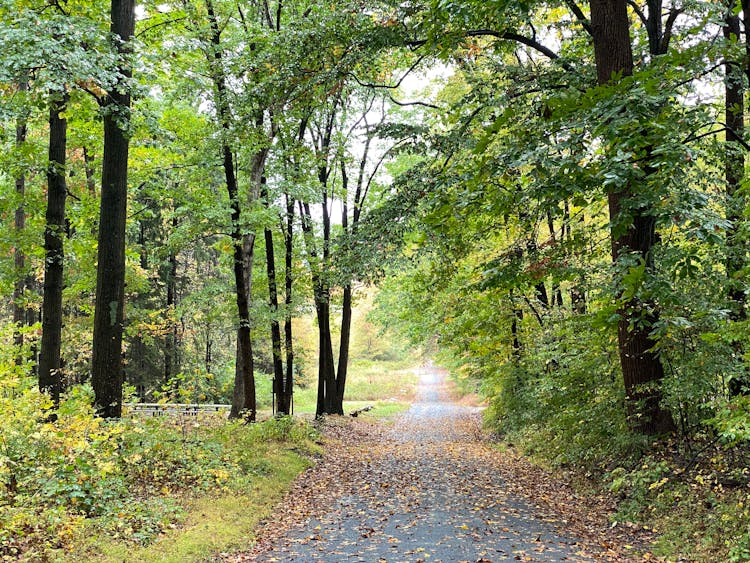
390 479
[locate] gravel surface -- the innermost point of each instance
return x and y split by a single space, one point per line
424 489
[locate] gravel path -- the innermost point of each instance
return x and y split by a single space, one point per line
422 490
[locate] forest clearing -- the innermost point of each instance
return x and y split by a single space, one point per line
277 211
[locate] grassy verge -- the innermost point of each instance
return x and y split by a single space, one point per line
156 489
213 523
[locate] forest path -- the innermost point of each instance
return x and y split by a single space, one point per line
427 488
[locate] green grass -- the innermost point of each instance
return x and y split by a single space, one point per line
390 386
166 489
203 524
214 523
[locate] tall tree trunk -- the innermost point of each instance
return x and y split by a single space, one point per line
734 171
20 286
734 106
106 372
641 367
50 375
326 374
515 329
170 346
243 397
346 304
326 366
577 291
288 286
279 382
344 344
557 297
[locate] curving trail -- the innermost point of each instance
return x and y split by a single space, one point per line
426 489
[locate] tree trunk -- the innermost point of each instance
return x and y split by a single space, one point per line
641 367
515 328
50 375
243 397
110 276
88 161
346 330
279 382
326 374
170 346
288 286
734 173
557 297
20 316
577 291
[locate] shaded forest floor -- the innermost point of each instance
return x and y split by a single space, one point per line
430 485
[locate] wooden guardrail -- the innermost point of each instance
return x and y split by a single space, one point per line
173 409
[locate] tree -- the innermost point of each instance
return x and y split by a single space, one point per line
734 109
22 314
243 400
106 367
50 367
633 237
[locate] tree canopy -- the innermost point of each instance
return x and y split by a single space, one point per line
549 195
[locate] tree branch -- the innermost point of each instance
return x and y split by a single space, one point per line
580 16
638 11
668 26
737 138
160 24
387 86
405 104
533 310
528 41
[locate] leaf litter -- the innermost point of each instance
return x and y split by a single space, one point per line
432 487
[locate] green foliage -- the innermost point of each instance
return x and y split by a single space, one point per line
63 478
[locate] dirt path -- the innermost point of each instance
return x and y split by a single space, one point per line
426 489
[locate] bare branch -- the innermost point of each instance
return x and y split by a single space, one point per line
668 26
580 16
160 24
387 86
638 11
405 104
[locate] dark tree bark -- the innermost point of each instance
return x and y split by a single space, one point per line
734 171
557 296
20 310
360 193
288 286
577 293
171 365
280 391
515 329
321 295
107 375
50 374
88 161
346 303
319 264
243 398
734 107
641 366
